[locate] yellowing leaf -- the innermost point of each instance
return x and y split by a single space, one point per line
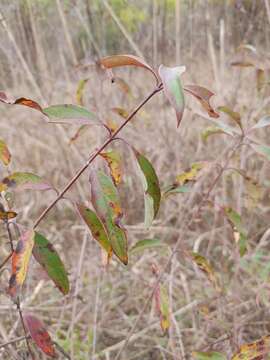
79 92
5 155
121 112
113 158
254 351
173 88
105 200
205 266
23 181
20 261
192 174
162 306
203 95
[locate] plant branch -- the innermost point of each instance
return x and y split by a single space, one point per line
174 250
96 153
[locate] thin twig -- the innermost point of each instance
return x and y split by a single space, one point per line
6 260
18 339
93 156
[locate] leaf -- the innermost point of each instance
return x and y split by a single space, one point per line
39 334
47 257
263 122
96 227
67 112
254 351
240 235
20 261
113 61
146 244
106 202
203 95
113 159
235 116
208 355
152 194
78 133
19 181
176 189
79 91
7 215
20 101
192 174
121 112
173 88
162 306
260 79
262 150
212 130
205 267
5 155
123 85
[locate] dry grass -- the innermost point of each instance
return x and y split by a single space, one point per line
94 319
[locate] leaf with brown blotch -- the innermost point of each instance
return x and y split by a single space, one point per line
39 334
105 200
113 159
162 306
173 89
20 101
113 61
203 95
19 181
5 155
121 112
256 350
20 261
96 227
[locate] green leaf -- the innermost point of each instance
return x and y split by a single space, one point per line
176 189
106 202
96 227
24 181
5 155
209 355
262 150
173 88
70 112
263 122
145 244
47 257
79 91
212 130
152 194
240 235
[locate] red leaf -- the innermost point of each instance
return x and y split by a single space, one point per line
20 101
39 334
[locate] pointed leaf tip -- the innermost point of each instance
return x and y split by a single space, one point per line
173 88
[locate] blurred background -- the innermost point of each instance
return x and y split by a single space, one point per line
48 52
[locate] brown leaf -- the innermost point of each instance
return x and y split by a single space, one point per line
110 62
203 95
20 101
